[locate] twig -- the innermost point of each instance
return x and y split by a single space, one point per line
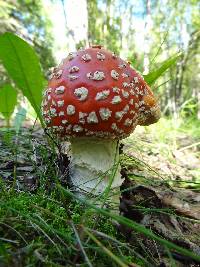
186 147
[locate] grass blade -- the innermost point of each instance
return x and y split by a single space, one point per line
151 77
80 244
107 251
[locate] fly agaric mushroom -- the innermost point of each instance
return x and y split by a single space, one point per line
94 99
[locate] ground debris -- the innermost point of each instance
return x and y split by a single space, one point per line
179 164
171 214
27 157
17 153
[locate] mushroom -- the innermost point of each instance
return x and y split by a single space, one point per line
94 99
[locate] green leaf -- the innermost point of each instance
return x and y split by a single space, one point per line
8 100
152 76
22 65
19 118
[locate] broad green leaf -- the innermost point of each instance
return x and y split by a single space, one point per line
151 77
8 100
22 65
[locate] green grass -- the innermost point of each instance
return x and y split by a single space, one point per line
46 229
37 229
51 226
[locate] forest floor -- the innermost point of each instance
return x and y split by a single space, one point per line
161 191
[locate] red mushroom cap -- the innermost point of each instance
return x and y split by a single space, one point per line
95 93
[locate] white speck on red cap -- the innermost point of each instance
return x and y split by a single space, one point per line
61 113
125 75
115 128
60 103
73 69
137 90
92 118
146 91
71 110
141 92
105 113
128 122
100 56
141 109
86 57
58 74
136 105
64 122
119 115
141 103
116 90
72 77
53 103
97 75
114 74
116 99
81 93
126 85
121 66
71 56
77 128
60 90
82 116
126 108
102 95
53 112
114 55
125 94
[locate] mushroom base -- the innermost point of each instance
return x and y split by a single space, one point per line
94 165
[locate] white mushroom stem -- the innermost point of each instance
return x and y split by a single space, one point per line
94 165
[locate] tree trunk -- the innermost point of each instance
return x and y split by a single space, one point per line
147 36
76 16
198 99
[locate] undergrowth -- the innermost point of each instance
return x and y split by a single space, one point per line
52 227
39 230
173 140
